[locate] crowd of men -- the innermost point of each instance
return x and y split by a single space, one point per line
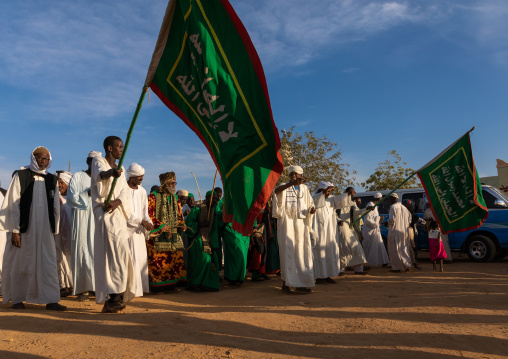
98 233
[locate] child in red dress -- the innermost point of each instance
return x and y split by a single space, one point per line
436 247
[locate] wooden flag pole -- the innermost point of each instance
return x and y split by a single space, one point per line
407 179
211 197
127 140
199 192
384 198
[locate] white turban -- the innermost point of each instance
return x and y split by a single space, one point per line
394 195
330 184
323 185
182 192
296 169
34 166
94 154
135 170
378 195
66 177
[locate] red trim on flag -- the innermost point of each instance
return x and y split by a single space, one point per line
476 183
260 203
254 58
266 191
437 218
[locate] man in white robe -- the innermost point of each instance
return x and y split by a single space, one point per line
293 207
113 265
138 225
324 241
3 239
62 239
373 246
350 248
398 235
29 268
82 226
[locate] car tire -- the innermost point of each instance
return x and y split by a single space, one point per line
481 249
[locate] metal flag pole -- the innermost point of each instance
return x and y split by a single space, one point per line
384 198
127 140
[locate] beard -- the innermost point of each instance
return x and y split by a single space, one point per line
172 190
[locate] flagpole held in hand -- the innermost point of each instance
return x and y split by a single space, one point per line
127 140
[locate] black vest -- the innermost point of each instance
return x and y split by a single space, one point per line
26 181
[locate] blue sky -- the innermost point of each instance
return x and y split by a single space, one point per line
372 75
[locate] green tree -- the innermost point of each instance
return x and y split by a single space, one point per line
390 173
319 158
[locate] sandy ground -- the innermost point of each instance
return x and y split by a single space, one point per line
462 312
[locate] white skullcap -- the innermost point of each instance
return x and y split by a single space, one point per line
135 170
66 177
378 195
94 154
182 192
323 185
330 184
296 169
394 195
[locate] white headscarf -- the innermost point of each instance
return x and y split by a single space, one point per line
135 170
66 177
322 185
34 167
296 169
94 154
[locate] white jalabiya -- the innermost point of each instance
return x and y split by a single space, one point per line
30 272
137 240
292 209
63 246
113 265
373 246
3 241
82 227
350 249
324 244
398 237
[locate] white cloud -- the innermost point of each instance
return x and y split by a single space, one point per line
83 59
294 32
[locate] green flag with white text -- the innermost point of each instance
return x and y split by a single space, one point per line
206 70
453 188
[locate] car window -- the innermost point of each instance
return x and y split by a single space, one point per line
416 200
365 200
489 199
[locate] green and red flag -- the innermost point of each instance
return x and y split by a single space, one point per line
453 188
206 70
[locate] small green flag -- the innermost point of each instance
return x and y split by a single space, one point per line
206 70
453 188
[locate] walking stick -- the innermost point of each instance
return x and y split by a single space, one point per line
211 197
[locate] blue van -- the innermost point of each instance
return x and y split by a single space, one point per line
481 245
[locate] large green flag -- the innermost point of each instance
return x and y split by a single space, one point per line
206 70
453 188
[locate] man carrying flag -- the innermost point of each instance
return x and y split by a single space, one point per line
206 70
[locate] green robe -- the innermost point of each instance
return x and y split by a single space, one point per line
203 268
236 248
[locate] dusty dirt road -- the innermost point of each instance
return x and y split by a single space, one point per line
462 312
